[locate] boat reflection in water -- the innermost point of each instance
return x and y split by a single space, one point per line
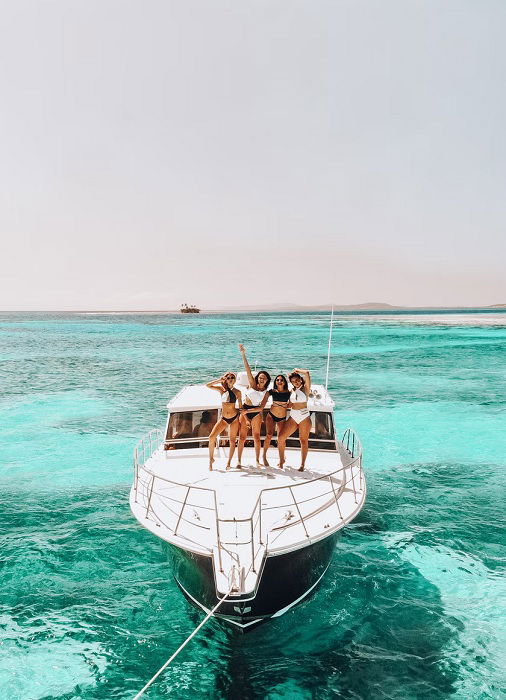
261 538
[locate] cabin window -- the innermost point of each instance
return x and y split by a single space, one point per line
190 424
321 436
186 427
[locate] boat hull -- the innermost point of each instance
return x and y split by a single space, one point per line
286 580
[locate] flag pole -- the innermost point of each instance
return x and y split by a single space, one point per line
328 352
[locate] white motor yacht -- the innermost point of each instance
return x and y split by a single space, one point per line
261 539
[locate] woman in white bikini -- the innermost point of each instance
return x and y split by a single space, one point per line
276 417
229 414
299 416
251 412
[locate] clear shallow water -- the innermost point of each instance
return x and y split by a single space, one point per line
414 601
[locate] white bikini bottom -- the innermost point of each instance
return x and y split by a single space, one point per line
299 414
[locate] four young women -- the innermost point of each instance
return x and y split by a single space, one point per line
249 414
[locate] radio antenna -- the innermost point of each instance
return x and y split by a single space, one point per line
328 352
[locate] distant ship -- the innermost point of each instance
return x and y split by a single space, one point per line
185 309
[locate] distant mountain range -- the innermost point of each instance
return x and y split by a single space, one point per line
299 307
368 306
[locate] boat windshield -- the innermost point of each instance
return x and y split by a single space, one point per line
190 424
186 427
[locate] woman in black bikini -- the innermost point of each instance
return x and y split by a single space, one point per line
277 413
256 398
229 414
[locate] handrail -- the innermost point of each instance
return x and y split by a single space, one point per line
346 436
205 438
271 488
154 439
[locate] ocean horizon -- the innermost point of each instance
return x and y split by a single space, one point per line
358 309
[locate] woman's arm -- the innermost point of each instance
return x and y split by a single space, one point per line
264 400
216 384
251 378
307 379
259 408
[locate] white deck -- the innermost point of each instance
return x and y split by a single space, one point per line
241 516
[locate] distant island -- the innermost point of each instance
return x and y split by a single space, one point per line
367 306
373 306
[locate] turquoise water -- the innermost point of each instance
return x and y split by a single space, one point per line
413 604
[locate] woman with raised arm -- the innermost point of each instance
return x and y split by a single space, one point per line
276 417
299 416
256 398
229 414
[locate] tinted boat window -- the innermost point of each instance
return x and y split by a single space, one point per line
190 424
321 436
322 429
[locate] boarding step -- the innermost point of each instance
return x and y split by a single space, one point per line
238 569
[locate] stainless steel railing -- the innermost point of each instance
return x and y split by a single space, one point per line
348 474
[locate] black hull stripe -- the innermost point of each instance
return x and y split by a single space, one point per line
254 622
207 611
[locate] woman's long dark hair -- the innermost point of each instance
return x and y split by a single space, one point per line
296 374
285 387
262 371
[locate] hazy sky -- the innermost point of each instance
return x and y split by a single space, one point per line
252 151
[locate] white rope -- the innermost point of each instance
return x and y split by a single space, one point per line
209 614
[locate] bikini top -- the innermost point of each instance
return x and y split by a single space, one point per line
228 396
279 395
298 396
255 396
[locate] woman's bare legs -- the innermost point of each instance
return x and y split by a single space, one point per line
256 424
233 429
289 427
269 430
304 430
244 426
212 440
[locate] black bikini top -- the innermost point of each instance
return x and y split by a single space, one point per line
279 395
231 396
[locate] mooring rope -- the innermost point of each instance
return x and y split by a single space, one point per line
209 614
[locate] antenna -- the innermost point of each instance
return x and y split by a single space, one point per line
328 352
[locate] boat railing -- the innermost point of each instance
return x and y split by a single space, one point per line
350 437
178 499
182 498
143 450
307 506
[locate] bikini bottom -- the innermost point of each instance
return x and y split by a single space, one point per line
231 420
299 414
252 414
276 419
